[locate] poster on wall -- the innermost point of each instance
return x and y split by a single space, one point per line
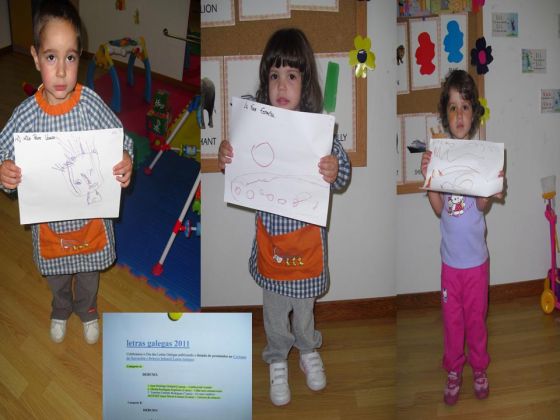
454 39
261 10
217 13
550 101
505 24
345 104
211 107
533 61
424 53
315 5
398 140
241 79
415 137
402 59
409 8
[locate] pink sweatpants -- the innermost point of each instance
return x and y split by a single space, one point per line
464 303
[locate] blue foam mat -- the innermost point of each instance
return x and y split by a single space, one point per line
151 206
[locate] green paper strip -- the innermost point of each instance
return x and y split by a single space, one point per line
331 87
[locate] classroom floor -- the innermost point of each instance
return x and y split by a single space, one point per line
524 372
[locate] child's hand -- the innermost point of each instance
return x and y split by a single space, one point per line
328 167
225 154
426 157
500 195
10 174
123 170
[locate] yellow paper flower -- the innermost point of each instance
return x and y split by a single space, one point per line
486 114
362 57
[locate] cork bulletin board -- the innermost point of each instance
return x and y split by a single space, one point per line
329 32
424 104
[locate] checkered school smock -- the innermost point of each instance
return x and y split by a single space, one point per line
278 225
83 110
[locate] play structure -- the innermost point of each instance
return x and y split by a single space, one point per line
550 297
188 228
133 48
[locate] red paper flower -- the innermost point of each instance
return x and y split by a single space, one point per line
477 5
481 56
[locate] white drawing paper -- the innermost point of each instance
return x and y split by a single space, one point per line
195 367
259 10
68 175
217 13
465 167
315 5
276 153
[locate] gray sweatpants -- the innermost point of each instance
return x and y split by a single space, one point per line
84 299
280 334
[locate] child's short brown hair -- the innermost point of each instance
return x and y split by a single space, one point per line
463 83
55 9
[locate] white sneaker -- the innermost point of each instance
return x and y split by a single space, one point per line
279 388
58 330
312 366
91 331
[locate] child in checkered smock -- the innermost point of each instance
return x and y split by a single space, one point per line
288 79
61 104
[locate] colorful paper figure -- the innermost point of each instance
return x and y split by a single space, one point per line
486 116
453 42
481 56
425 54
362 57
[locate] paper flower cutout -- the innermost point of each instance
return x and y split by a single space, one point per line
362 57
481 56
477 5
486 116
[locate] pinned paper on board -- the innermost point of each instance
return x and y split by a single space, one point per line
276 153
463 167
68 175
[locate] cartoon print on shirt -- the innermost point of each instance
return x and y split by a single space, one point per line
444 294
455 205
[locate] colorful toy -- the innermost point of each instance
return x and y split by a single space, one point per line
189 229
157 119
193 105
196 207
178 227
134 48
550 297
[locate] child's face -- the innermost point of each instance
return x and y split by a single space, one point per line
284 87
57 60
459 115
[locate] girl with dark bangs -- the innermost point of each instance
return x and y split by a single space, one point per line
288 79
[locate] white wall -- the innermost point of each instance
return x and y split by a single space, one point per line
103 23
5 36
362 225
517 231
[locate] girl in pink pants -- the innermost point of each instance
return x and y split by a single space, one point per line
464 255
